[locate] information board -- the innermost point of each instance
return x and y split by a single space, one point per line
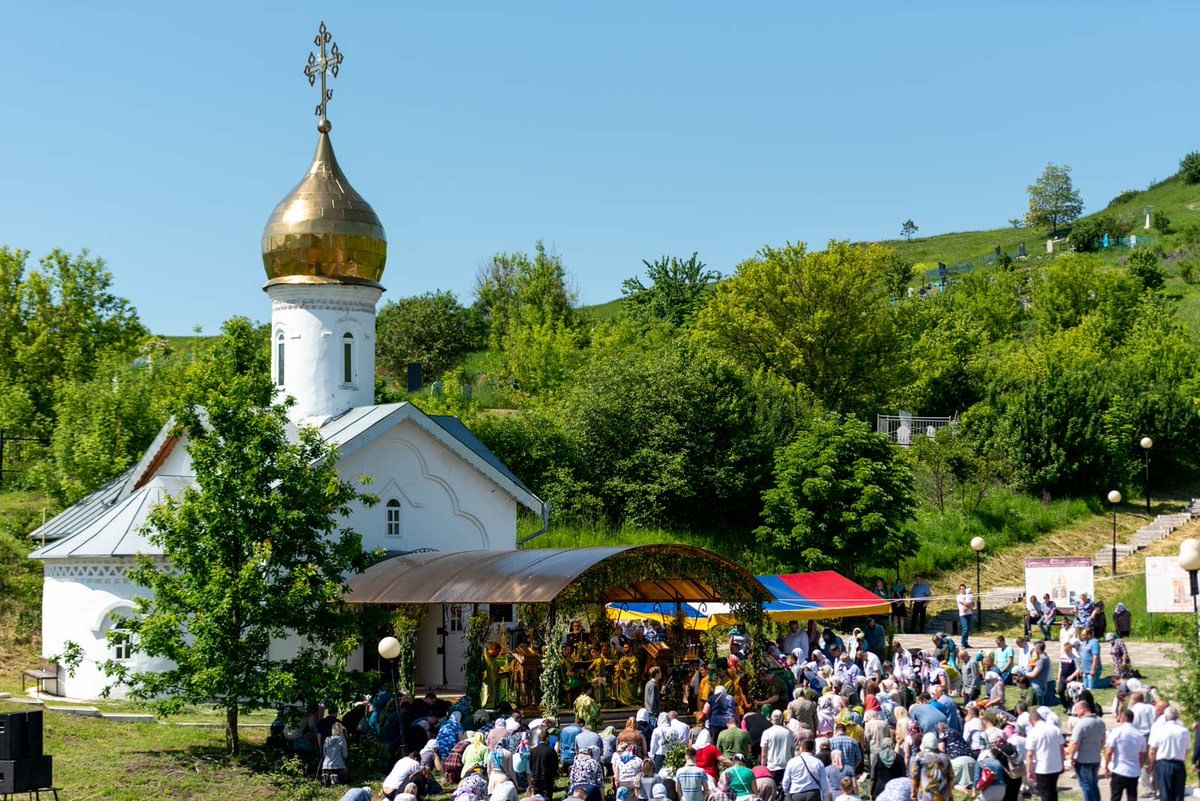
1167 586
1064 578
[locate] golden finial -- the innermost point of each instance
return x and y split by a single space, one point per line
326 62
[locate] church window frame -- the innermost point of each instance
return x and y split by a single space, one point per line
392 518
280 352
349 349
118 637
457 618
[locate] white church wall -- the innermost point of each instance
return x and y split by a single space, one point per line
79 600
313 324
444 503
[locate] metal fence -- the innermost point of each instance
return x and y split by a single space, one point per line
902 428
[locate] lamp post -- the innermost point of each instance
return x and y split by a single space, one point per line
977 545
1147 444
1189 560
1114 498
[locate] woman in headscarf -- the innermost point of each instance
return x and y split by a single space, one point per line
476 754
608 745
708 758
631 736
473 787
627 769
826 712
1122 621
931 771
449 733
658 744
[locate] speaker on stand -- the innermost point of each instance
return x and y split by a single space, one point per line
23 766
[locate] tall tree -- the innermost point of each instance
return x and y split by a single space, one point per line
676 292
1053 199
841 498
824 320
58 322
908 229
254 551
433 329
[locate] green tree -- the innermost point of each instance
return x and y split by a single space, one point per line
433 329
841 497
1053 200
1189 167
676 292
1074 286
824 320
103 425
1144 267
254 551
58 322
908 229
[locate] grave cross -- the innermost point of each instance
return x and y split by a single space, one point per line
325 62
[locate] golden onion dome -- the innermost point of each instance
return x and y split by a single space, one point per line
323 232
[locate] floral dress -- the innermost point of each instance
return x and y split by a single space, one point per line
1120 659
931 772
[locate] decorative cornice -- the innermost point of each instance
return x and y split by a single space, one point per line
331 304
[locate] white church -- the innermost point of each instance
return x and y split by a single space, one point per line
439 487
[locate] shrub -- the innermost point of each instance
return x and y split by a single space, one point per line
1161 222
1189 167
1087 234
1124 197
1144 266
1187 271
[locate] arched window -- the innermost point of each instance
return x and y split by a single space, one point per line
347 358
393 518
279 359
120 639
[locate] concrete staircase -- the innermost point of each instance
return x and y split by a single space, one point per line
1162 527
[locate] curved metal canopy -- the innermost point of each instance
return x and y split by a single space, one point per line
538 575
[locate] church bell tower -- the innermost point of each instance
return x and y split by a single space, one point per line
324 251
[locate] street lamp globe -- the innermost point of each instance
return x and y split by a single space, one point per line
977 544
1147 443
1114 497
1189 554
389 648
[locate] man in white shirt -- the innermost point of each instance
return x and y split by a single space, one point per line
1143 719
1169 744
1124 756
680 731
804 777
402 772
966 608
777 747
1044 756
796 639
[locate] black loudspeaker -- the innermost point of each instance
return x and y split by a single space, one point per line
26 775
20 735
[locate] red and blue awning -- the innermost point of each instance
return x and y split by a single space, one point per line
825 593
798 596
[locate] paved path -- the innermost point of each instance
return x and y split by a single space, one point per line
1143 654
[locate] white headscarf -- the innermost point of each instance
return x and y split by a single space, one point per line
718 690
702 739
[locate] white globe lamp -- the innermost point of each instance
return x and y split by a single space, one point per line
389 648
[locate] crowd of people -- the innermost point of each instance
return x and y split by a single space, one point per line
830 717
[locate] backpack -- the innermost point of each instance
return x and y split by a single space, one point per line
1012 762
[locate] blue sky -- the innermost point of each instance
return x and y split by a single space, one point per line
161 135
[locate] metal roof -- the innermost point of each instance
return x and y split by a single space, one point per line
119 531
79 514
535 575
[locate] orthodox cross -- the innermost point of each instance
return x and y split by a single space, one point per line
326 62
